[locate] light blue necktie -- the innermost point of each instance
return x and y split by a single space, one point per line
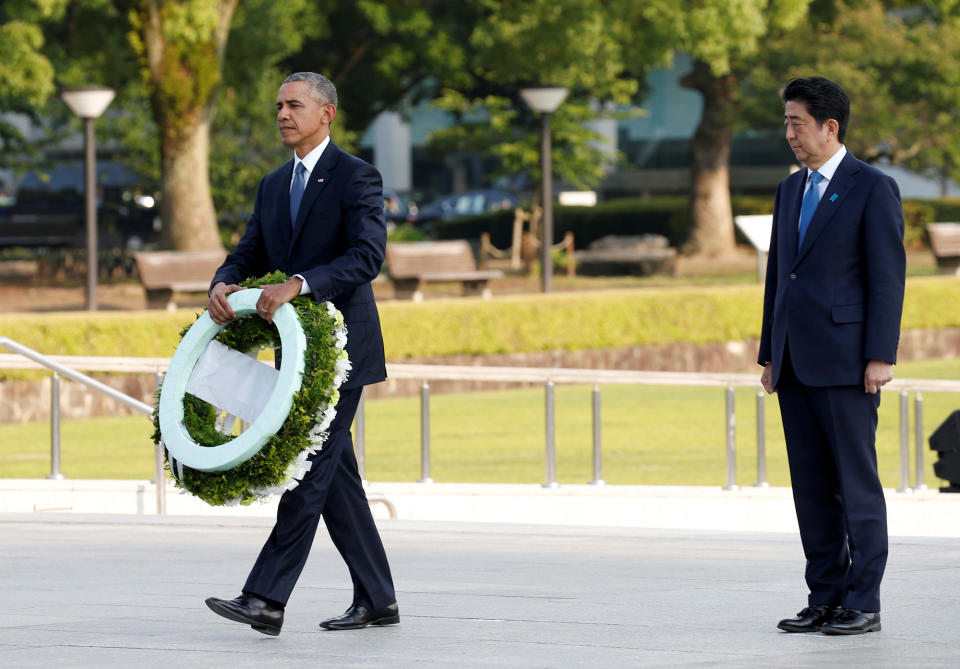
296 192
809 205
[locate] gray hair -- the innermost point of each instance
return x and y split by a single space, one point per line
319 87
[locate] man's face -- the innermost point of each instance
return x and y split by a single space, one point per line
812 143
303 122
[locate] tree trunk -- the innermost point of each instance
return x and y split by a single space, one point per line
711 215
186 204
182 51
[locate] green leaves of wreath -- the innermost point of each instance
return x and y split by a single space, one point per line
282 460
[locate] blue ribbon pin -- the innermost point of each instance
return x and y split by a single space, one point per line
833 197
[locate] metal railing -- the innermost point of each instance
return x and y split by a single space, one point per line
548 377
61 366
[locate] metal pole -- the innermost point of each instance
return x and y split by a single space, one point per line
918 437
551 434
731 440
761 443
597 460
55 427
904 442
761 266
546 197
361 439
90 177
159 475
425 434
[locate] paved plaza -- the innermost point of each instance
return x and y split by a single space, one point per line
84 591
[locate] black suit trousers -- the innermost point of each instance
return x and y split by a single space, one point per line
332 489
831 448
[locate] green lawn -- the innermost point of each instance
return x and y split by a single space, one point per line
651 435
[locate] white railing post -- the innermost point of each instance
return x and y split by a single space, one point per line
761 443
597 428
919 441
425 434
159 474
550 430
55 427
731 431
904 442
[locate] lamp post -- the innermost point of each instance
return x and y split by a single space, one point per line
89 102
544 100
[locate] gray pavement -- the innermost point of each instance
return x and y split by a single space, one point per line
118 591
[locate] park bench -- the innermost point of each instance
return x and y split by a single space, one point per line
163 273
945 243
412 265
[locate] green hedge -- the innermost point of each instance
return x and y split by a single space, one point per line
667 216
561 321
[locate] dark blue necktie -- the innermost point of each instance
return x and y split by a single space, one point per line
809 205
296 192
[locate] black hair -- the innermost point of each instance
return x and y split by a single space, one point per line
824 99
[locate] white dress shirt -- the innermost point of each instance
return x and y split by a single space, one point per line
309 162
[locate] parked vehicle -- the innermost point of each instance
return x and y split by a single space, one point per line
395 207
467 203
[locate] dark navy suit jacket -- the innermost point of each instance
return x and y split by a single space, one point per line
837 300
337 245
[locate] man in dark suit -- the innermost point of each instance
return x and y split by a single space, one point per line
831 326
319 218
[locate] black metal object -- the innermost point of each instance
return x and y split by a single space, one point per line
946 442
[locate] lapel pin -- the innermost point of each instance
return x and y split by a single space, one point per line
320 181
833 197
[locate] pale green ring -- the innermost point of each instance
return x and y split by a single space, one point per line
175 437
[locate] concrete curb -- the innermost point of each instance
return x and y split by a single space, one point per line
927 513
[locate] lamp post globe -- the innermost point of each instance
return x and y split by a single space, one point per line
89 103
544 100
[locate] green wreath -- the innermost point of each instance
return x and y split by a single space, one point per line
281 462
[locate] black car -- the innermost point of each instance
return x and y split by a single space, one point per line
467 203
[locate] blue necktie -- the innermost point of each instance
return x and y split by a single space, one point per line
296 192
809 205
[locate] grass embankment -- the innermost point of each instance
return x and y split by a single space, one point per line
651 435
561 321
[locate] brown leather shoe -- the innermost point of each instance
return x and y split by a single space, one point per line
809 619
852 621
360 616
249 609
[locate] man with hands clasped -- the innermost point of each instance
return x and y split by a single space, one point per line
319 218
831 326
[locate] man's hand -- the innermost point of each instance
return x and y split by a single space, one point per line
766 378
879 373
276 295
218 307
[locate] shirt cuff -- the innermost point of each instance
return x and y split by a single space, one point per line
305 288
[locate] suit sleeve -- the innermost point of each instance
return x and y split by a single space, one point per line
765 354
250 256
885 270
366 233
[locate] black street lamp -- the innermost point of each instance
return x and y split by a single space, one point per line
544 100
89 103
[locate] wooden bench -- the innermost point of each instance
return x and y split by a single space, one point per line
414 264
945 243
163 273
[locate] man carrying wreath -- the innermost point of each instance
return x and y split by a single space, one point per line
318 218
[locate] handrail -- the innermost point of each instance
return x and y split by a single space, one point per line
548 376
479 373
50 362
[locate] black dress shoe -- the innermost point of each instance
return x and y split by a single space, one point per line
360 616
249 609
853 621
810 619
